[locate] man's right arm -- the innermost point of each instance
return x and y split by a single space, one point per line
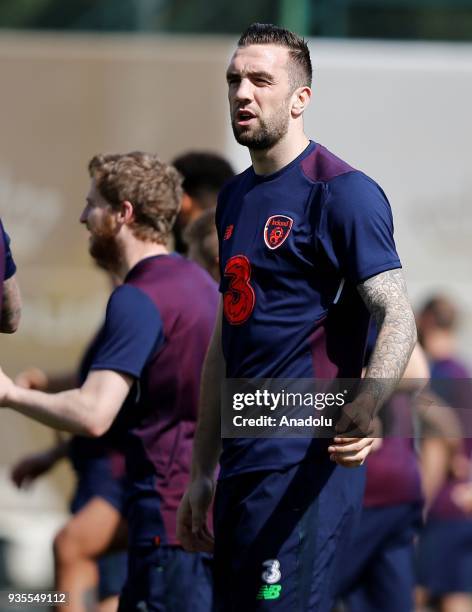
192 529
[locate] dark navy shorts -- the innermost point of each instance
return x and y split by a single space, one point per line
445 557
97 480
379 573
167 579
280 536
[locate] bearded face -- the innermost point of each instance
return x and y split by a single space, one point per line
104 246
264 132
101 222
260 94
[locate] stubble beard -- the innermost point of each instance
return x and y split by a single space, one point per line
267 134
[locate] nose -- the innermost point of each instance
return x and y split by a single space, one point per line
83 215
243 91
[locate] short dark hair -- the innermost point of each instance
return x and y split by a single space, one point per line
204 174
153 187
441 312
269 34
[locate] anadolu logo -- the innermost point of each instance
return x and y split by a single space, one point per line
276 230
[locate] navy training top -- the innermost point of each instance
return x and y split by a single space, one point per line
7 264
157 328
293 246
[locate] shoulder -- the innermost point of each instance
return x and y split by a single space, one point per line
323 166
355 193
234 183
232 188
129 302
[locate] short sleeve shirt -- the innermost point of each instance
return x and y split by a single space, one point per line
156 330
293 247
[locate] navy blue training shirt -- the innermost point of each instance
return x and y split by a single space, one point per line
157 328
7 264
293 247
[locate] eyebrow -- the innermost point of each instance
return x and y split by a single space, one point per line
252 73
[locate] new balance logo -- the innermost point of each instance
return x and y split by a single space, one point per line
271 591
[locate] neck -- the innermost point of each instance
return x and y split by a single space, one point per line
134 250
268 161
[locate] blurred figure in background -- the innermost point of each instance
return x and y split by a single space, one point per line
10 300
144 374
445 547
84 567
204 174
379 573
201 239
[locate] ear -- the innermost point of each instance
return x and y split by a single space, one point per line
186 205
126 214
300 100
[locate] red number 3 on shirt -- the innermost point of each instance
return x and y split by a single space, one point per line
239 299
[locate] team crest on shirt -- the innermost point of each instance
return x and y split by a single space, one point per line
276 230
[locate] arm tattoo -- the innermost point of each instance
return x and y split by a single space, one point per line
385 296
11 307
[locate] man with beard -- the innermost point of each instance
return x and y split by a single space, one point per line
143 376
306 255
10 301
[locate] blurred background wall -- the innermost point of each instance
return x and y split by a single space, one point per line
87 76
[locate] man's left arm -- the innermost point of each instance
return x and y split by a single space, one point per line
89 410
386 298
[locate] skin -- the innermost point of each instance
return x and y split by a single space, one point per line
262 97
11 306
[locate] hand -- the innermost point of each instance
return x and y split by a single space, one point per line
462 496
29 468
6 388
32 378
192 528
352 444
357 419
350 452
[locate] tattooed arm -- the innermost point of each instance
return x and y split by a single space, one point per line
11 306
386 297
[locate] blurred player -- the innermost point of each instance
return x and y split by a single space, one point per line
306 251
149 352
201 239
83 567
204 174
10 300
445 548
379 572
